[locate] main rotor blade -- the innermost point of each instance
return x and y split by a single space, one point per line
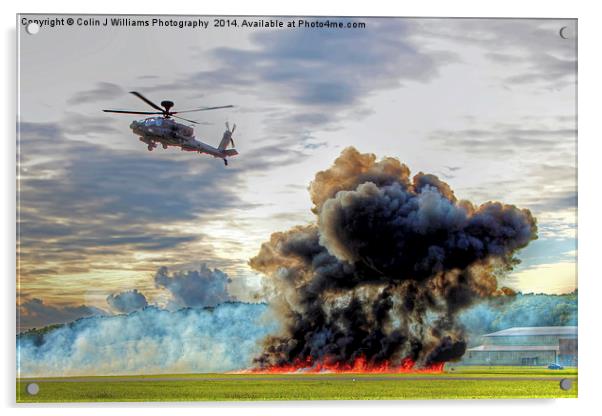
202 109
185 119
131 112
146 100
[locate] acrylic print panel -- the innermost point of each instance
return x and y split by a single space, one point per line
288 208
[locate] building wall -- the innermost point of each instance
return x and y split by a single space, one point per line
568 351
524 340
564 352
509 357
568 345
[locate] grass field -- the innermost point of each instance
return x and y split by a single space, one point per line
454 383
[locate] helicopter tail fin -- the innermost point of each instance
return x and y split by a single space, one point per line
226 139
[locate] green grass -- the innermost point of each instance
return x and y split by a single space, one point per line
229 387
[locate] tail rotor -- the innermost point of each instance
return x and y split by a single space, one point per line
231 131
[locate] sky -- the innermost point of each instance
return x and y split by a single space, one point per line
488 105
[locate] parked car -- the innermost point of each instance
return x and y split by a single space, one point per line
555 366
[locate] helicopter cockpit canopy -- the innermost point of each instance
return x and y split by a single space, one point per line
153 121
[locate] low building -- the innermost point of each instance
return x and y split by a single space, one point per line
526 346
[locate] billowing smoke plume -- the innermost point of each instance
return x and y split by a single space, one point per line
195 288
148 341
384 271
127 301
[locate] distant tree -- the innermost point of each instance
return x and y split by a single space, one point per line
520 310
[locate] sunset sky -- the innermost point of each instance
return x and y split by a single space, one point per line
489 106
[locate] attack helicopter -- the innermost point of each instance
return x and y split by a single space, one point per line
163 129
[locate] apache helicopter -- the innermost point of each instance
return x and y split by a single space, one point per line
168 132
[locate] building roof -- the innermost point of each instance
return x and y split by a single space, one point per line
494 348
535 330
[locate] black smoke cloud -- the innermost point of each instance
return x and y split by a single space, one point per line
383 272
127 301
195 288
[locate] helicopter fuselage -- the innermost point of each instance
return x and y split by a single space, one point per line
168 132
165 130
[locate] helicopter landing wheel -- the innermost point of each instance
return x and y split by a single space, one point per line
164 146
150 147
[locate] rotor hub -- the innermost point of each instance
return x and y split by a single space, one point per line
167 105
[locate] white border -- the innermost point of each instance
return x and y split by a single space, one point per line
590 157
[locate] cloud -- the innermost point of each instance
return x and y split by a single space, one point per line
318 70
195 288
558 277
127 301
82 202
34 313
531 49
547 251
133 185
544 67
87 208
311 77
554 201
546 191
104 91
505 139
539 150
85 125
315 67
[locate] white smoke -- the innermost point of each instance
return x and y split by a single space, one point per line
149 341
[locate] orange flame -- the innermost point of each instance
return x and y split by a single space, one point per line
359 365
